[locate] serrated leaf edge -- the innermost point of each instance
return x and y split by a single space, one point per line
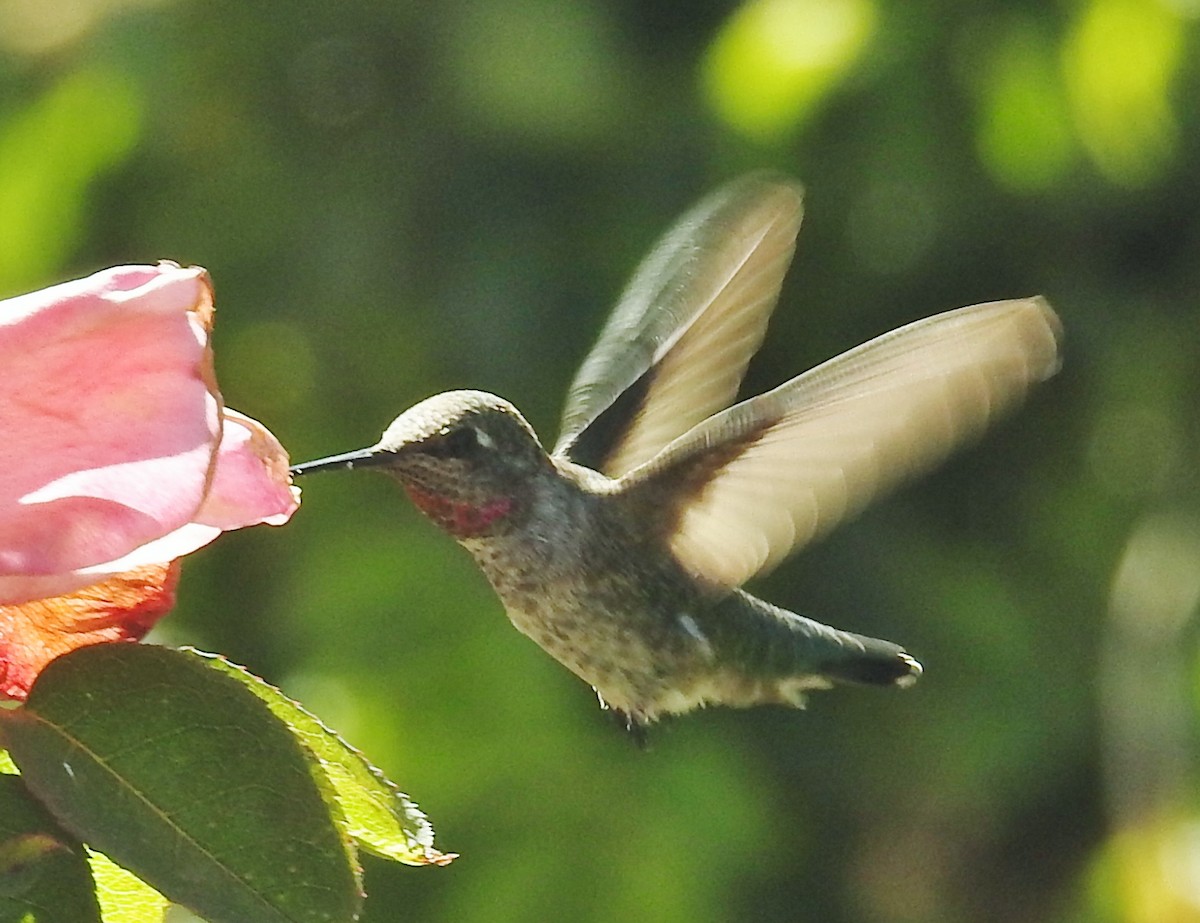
421 843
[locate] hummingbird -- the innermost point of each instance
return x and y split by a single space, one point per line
623 550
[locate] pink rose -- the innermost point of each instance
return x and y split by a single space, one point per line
118 456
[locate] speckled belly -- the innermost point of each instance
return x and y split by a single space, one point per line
609 650
629 626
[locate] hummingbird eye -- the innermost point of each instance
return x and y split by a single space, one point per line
460 442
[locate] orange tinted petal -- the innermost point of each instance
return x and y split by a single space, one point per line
121 608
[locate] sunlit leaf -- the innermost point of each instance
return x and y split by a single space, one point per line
183 776
374 811
124 898
44 877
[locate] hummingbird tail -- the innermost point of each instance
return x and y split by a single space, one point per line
870 661
801 654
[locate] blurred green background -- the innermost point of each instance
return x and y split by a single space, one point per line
396 198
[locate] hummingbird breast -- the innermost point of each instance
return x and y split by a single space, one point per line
596 591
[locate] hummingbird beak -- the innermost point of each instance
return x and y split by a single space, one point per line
360 458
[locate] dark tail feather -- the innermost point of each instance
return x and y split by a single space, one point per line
777 643
870 661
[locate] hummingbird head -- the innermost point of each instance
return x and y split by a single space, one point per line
465 458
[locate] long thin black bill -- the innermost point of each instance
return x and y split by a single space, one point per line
361 458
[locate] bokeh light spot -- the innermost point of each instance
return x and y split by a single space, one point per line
335 81
892 226
544 72
1134 449
42 26
1024 137
49 155
1120 61
776 60
268 366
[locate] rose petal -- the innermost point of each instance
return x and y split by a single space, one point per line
122 608
251 483
250 486
184 540
118 451
108 417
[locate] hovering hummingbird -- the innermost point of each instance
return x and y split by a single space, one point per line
622 551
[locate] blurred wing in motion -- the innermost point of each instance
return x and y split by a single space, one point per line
677 345
770 474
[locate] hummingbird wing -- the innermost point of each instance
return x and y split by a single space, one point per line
745 487
677 344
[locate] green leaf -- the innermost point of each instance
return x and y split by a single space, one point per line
124 898
379 816
44 877
7 766
183 776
